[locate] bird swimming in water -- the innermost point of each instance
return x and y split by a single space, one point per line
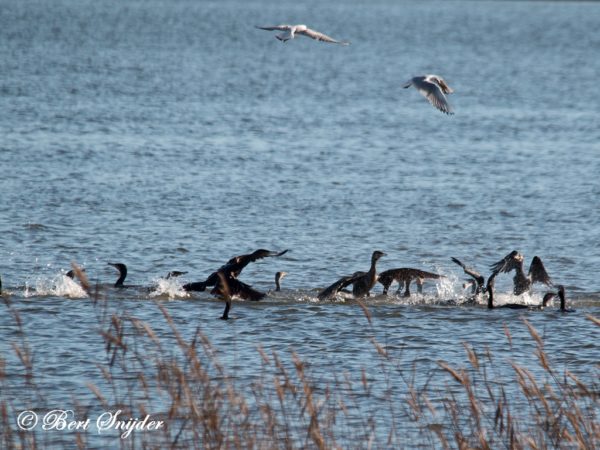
362 282
362 286
490 304
405 275
278 277
122 268
290 32
232 269
563 300
522 282
478 283
433 88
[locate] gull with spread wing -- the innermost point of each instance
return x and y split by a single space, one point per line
433 88
290 31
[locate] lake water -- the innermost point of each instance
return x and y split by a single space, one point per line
175 135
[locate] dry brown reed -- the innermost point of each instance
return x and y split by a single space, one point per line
287 406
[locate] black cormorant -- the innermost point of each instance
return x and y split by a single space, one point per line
522 282
231 269
563 300
236 288
490 290
122 268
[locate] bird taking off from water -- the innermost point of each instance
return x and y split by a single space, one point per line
433 88
290 31
522 282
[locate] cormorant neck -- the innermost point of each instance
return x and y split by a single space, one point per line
225 315
373 268
277 286
561 295
121 279
490 290
122 268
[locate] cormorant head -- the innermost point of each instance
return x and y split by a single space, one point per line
119 266
122 268
376 255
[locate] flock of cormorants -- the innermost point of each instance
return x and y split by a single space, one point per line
225 281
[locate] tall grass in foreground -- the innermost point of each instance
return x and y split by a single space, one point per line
286 406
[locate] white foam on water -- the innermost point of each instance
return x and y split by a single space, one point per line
170 288
59 286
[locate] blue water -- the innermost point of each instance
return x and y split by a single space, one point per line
175 135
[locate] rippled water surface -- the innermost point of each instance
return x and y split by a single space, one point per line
174 135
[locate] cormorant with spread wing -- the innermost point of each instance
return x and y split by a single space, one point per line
231 270
522 282
362 282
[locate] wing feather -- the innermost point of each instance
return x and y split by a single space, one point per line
469 271
538 273
275 27
433 93
339 285
506 264
320 36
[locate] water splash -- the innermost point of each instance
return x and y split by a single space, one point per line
169 288
59 286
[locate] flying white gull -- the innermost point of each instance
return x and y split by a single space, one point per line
290 31
433 89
